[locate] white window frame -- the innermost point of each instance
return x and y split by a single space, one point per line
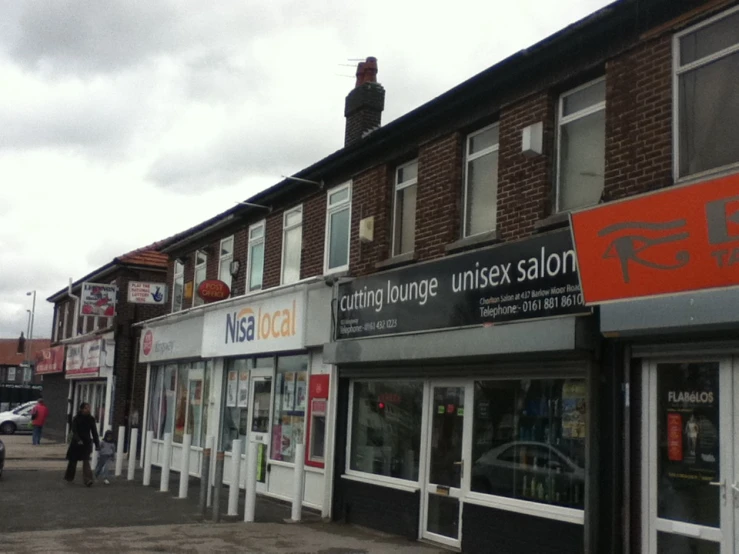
181 275
252 243
397 187
562 121
14 373
229 257
64 322
470 158
677 71
285 229
331 210
195 284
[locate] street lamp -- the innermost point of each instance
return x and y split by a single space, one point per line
31 319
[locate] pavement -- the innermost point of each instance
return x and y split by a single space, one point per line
40 512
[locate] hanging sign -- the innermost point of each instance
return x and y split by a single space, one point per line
98 300
147 293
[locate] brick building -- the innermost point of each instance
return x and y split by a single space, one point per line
18 382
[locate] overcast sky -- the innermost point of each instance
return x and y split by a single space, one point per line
123 122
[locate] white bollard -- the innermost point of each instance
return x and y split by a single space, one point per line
166 460
250 502
147 458
132 447
298 483
94 458
119 453
233 491
185 466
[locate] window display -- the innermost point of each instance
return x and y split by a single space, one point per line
291 392
386 428
235 414
528 440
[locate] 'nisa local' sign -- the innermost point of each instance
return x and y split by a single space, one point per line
527 279
268 325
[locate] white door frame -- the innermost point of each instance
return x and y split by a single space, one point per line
266 438
650 522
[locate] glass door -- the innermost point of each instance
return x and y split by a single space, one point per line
442 512
259 421
689 466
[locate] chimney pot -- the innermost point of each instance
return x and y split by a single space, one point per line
364 104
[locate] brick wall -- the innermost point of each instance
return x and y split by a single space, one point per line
314 231
371 196
273 250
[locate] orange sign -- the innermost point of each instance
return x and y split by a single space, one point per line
676 240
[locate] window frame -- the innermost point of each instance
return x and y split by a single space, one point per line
564 120
175 274
331 210
229 257
677 71
398 187
251 243
285 229
470 158
195 283
64 322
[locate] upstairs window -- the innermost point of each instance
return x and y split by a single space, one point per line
178 285
404 213
707 107
224 262
201 264
338 216
581 141
255 257
481 181
292 243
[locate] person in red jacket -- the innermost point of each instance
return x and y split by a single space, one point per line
38 417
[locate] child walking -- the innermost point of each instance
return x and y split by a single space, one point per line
105 455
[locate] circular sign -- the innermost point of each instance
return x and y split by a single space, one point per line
148 342
212 290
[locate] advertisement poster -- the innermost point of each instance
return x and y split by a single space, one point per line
243 388
277 442
288 396
287 443
231 389
98 299
51 360
301 392
573 410
689 413
147 293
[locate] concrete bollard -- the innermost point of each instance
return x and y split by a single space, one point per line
250 502
185 466
205 476
220 460
147 457
119 452
298 483
233 491
166 460
132 446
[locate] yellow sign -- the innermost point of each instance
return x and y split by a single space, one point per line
188 290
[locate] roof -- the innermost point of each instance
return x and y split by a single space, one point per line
9 350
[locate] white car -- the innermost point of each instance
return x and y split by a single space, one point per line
18 418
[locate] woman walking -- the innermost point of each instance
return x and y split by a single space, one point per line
84 434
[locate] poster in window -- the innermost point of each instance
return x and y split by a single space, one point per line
277 442
287 441
573 410
288 395
231 389
301 392
243 388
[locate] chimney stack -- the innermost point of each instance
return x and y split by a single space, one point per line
364 104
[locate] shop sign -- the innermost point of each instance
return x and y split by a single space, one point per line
84 360
173 341
51 360
147 293
98 300
270 325
212 290
521 280
677 240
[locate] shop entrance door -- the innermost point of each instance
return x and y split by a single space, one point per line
94 394
259 421
445 467
691 466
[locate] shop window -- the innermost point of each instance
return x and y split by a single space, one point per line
292 243
201 265
178 285
224 262
581 146
236 412
162 400
404 210
290 399
528 440
255 258
481 181
339 207
707 107
386 428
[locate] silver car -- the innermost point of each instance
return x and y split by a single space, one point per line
16 419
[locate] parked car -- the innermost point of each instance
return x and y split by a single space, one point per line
2 457
16 419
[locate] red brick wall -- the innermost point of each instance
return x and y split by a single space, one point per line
273 250
371 196
314 230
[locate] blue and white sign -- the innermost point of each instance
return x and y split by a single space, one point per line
147 293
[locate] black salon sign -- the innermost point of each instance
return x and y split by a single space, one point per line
529 279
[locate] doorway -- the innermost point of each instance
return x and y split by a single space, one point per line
94 393
260 385
690 469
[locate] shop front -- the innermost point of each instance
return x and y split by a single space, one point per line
466 388
663 269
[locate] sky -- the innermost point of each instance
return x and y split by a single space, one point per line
126 121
